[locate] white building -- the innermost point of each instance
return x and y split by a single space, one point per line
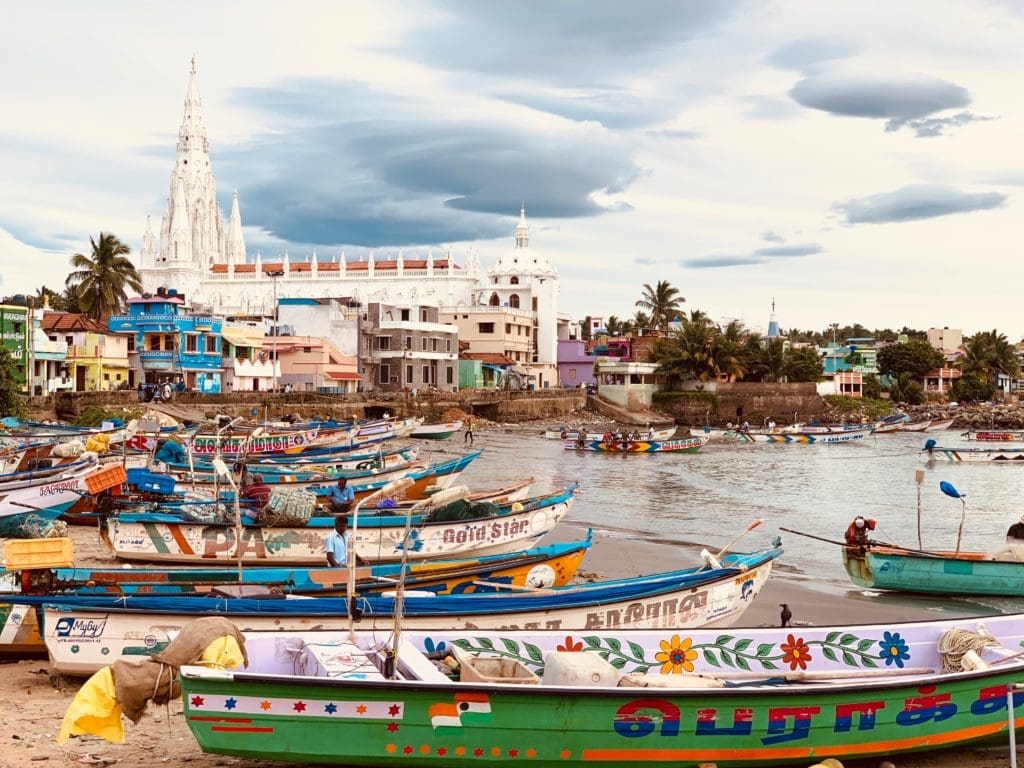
207 261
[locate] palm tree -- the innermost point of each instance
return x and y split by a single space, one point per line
100 279
662 302
641 321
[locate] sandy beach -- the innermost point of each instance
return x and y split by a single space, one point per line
33 699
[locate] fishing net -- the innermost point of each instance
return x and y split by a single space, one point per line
31 526
464 510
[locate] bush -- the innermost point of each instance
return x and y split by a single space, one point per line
872 408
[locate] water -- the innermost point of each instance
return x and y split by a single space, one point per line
705 499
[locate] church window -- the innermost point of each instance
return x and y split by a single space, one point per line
513 301
494 301
514 280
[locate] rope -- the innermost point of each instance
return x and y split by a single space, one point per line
954 643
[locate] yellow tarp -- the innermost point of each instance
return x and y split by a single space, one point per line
222 652
94 710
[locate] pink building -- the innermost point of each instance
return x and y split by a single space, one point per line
311 364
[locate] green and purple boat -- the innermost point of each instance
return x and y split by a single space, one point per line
614 697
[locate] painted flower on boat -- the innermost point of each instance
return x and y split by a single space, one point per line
894 649
676 655
570 645
796 653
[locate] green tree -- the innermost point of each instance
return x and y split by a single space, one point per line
100 278
988 354
802 364
871 387
970 388
11 402
903 389
616 327
640 322
916 357
662 302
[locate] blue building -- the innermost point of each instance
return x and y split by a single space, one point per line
166 343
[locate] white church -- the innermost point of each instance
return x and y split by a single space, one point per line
200 257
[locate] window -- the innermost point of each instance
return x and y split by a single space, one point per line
385 374
426 374
17 327
131 343
508 328
307 350
408 374
449 375
169 342
486 327
448 345
408 342
423 343
405 315
572 374
154 342
423 315
514 280
535 305
513 301
495 301
433 345
69 340
190 343
384 342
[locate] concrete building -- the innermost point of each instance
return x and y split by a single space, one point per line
313 364
628 385
247 365
49 367
946 339
408 347
96 359
575 366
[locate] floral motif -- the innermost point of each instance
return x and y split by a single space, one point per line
894 649
676 655
796 653
570 645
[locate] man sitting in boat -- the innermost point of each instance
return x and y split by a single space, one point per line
341 497
857 533
256 491
336 544
1013 549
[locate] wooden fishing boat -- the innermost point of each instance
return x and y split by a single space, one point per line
746 698
843 436
552 565
915 426
573 433
379 538
693 597
682 445
436 431
51 496
933 571
995 435
937 425
177 460
933 452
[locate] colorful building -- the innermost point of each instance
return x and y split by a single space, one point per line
312 364
167 343
96 360
14 338
248 367
575 366
49 368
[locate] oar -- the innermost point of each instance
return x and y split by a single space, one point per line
743 533
887 545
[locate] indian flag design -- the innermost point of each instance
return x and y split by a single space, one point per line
466 708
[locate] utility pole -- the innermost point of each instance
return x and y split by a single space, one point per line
275 274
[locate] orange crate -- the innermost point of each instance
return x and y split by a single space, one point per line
110 477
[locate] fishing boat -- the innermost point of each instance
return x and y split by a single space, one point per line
937 425
915 426
995 435
573 433
52 495
843 436
682 445
692 597
745 698
436 431
890 423
379 539
933 452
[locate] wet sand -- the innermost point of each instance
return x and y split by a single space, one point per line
33 700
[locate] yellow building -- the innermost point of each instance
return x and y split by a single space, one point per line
96 360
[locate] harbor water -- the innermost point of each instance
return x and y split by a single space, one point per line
691 501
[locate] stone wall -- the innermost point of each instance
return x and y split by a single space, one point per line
753 402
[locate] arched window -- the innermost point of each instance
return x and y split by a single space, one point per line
514 280
513 301
495 301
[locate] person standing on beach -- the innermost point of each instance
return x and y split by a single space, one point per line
468 437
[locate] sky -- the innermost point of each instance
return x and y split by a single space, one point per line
854 161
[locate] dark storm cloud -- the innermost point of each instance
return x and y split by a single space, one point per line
569 43
341 173
759 256
908 100
809 51
916 202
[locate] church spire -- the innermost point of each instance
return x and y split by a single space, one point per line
147 253
234 248
522 231
180 245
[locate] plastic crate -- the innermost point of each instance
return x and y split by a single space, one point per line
106 478
476 669
150 482
23 554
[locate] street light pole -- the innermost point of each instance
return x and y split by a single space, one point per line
275 274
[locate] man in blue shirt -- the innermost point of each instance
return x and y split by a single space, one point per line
336 544
341 497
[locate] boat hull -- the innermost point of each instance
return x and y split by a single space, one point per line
844 436
969 573
683 445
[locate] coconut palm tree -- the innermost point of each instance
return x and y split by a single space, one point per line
662 302
986 355
100 279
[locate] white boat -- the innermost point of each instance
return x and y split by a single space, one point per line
436 431
937 425
55 495
844 436
934 452
379 539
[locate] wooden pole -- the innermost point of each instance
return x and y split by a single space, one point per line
919 478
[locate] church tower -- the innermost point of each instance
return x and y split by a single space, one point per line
192 236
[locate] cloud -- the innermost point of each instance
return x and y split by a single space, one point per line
771 237
616 108
568 43
759 256
343 174
760 107
899 100
675 133
806 52
645 260
927 127
911 203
